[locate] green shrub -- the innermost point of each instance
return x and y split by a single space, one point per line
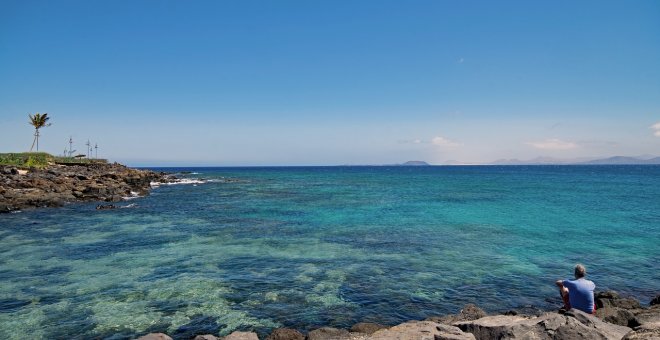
26 159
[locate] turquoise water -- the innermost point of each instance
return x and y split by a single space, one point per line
258 248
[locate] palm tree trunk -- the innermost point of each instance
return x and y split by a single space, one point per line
36 136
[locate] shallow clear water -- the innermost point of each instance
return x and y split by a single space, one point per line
309 247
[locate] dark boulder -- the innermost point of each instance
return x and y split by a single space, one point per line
612 299
617 316
655 301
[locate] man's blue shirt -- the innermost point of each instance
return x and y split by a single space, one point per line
581 294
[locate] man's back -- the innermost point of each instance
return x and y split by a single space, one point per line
581 294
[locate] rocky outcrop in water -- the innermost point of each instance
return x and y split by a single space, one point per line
472 323
59 184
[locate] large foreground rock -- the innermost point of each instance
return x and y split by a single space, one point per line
648 321
645 322
421 330
411 330
644 332
572 325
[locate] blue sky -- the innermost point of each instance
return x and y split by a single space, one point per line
332 82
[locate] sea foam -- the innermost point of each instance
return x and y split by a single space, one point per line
180 181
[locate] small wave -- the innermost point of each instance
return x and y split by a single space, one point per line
132 205
181 181
133 195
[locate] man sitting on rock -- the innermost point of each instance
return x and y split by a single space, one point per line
578 293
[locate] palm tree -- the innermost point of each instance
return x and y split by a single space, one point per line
38 121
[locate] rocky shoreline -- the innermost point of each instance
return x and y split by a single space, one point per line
57 185
616 318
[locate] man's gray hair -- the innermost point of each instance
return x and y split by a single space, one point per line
580 271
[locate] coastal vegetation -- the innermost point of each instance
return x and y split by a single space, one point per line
41 160
26 159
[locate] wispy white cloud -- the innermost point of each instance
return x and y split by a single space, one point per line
412 141
444 142
553 144
461 60
656 129
437 141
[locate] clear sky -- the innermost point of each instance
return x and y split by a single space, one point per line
332 82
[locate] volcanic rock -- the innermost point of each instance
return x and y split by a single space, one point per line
242 336
612 299
421 330
574 324
366 327
468 313
285 334
206 337
155 336
59 184
325 333
655 301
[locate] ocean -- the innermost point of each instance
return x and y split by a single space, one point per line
304 247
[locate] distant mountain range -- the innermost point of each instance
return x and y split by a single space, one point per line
414 163
632 160
610 160
625 160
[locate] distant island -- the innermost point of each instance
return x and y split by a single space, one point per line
620 160
624 160
414 163
615 160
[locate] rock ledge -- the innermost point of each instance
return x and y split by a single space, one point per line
56 185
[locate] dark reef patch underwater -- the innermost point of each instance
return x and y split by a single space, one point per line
261 248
